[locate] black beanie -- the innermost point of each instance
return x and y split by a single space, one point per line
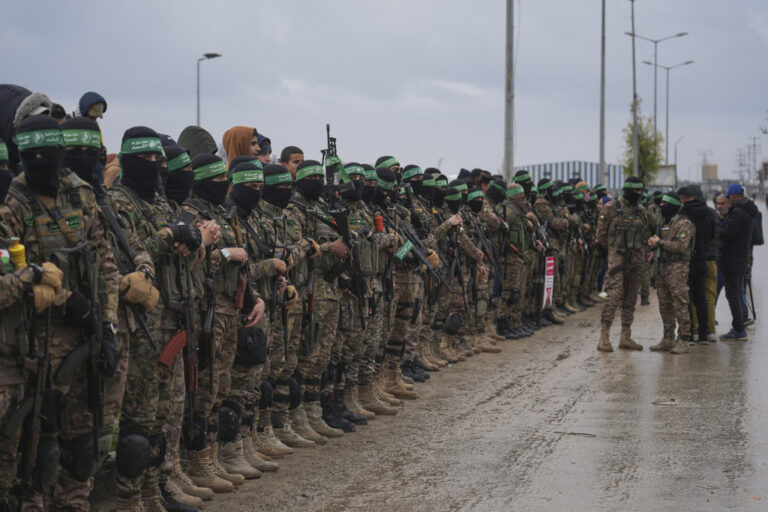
202 159
239 160
138 132
273 169
385 174
80 123
382 159
38 122
431 170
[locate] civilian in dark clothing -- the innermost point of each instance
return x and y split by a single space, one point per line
733 253
696 210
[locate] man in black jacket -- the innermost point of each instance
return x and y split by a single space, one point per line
735 242
696 210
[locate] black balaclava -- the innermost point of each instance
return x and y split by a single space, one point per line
578 200
368 192
545 188
416 185
671 205
428 189
246 197
453 199
496 191
387 179
523 178
82 162
139 174
41 174
632 192
311 190
273 194
179 178
203 186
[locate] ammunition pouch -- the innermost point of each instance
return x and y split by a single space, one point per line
46 464
229 421
133 453
251 347
452 324
71 363
81 458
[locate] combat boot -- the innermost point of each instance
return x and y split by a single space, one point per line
352 398
289 437
595 297
665 345
173 493
604 345
199 469
370 402
626 342
380 392
550 315
332 416
571 307
233 460
486 345
447 353
432 353
128 505
185 484
490 328
219 469
340 406
395 386
681 346
315 420
275 442
301 426
151 500
252 456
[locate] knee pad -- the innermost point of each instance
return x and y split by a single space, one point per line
81 458
46 463
452 324
157 446
194 433
266 394
133 453
229 421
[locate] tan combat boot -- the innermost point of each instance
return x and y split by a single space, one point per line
486 344
570 307
128 505
395 386
290 438
381 393
151 500
665 345
370 402
604 345
301 426
219 469
186 485
199 469
425 357
447 353
352 401
681 347
626 342
315 419
434 355
172 488
405 382
233 460
252 456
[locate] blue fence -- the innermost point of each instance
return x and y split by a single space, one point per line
587 171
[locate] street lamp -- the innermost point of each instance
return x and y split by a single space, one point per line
655 61
667 68
676 143
204 57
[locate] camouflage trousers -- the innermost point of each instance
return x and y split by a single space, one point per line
622 287
672 290
562 272
533 273
354 341
283 360
415 328
513 285
404 301
377 324
10 397
246 382
594 265
315 355
645 288
176 404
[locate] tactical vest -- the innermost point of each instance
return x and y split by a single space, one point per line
670 231
14 324
260 238
627 231
364 252
317 225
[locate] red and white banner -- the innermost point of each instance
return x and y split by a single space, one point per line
549 281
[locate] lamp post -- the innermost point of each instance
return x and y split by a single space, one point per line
655 62
667 68
676 143
204 57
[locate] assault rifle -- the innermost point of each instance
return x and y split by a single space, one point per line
206 336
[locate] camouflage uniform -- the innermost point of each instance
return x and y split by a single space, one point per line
557 227
676 241
30 218
516 242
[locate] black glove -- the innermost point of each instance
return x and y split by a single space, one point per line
77 311
108 351
187 235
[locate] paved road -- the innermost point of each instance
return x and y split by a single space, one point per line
550 424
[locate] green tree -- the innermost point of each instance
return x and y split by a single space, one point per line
649 148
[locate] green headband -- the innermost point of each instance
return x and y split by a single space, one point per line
310 170
249 176
578 195
90 138
566 188
670 200
428 182
278 179
39 139
461 187
513 191
210 170
599 188
3 152
557 192
389 162
535 189
453 197
141 145
402 191
370 175
547 184
498 186
180 162
413 171
582 188
441 182
384 184
474 195
522 177
355 169
633 184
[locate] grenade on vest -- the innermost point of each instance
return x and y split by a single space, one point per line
18 253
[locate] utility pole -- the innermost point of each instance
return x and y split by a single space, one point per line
755 150
603 177
509 97
635 166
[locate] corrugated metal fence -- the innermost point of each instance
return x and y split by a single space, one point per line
587 171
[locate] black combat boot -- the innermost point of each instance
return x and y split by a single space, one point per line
330 416
343 412
418 363
171 505
549 316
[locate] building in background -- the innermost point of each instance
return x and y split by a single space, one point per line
587 171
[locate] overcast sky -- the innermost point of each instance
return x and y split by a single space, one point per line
421 80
